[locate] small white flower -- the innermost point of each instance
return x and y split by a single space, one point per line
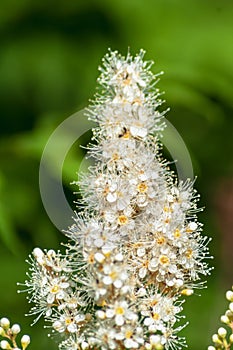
121 312
56 289
115 275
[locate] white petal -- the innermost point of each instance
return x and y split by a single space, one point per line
119 336
51 253
143 177
192 226
99 257
179 283
98 242
119 257
141 251
102 291
148 321
50 298
153 264
123 276
100 314
72 328
138 131
141 292
107 280
142 272
110 217
58 326
130 344
122 203
111 197
119 319
110 313
60 295
79 318
84 345
154 339
113 187
118 284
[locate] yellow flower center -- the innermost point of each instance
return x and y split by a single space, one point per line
122 220
106 191
177 233
156 316
137 100
153 302
145 263
126 134
161 240
68 321
142 187
167 209
128 334
163 259
91 259
54 289
189 253
115 156
113 275
119 310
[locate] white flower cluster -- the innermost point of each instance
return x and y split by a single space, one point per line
137 246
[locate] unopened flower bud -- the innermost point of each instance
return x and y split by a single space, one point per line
101 314
51 253
155 342
211 347
39 255
5 323
229 314
229 295
84 345
2 332
231 306
15 329
187 292
99 257
25 341
5 345
192 226
222 332
225 319
216 339
231 338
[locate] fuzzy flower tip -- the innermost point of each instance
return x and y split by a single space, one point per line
136 249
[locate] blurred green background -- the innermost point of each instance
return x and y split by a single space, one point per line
49 54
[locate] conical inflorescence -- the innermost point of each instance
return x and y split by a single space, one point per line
136 246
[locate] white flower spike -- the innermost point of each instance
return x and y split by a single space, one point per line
136 249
